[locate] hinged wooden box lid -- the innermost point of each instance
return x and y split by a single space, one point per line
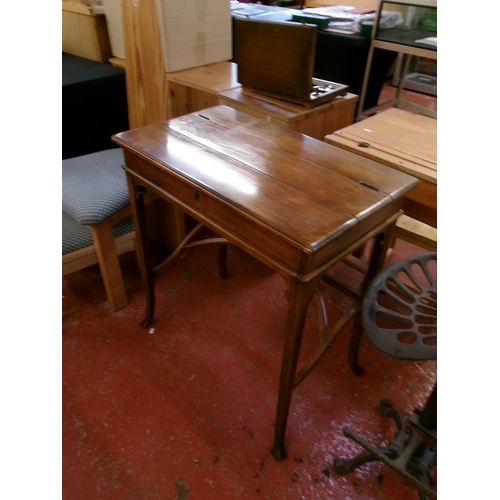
277 59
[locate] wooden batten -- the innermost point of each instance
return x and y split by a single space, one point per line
148 101
147 84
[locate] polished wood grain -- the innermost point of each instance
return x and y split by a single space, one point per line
147 85
286 50
295 203
404 141
314 122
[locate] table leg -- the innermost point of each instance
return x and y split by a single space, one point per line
300 295
381 244
142 246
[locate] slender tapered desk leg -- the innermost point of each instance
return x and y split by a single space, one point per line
380 246
299 297
142 246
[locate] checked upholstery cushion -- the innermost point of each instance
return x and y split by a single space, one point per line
94 186
76 236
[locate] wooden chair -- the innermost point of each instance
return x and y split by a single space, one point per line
97 224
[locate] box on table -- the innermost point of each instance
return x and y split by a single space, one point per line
194 32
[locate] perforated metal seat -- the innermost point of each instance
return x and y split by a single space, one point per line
399 309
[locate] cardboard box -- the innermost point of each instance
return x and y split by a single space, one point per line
113 14
194 32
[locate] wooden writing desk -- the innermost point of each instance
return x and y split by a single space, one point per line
404 141
293 202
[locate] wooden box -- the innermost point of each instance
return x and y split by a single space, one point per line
277 59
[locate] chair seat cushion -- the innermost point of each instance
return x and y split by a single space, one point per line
94 186
75 236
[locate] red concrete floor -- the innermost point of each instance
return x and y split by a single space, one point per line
184 409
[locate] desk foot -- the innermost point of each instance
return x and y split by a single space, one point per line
145 322
150 305
278 452
355 339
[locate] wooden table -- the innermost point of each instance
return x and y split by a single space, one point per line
404 141
293 202
315 122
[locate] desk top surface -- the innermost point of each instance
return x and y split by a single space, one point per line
398 138
247 173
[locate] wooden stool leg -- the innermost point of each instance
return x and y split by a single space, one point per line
109 265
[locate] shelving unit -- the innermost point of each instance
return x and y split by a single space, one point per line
412 35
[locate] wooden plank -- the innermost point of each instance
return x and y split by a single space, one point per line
84 33
148 98
118 62
416 232
147 85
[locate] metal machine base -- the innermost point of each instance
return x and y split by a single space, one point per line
412 452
